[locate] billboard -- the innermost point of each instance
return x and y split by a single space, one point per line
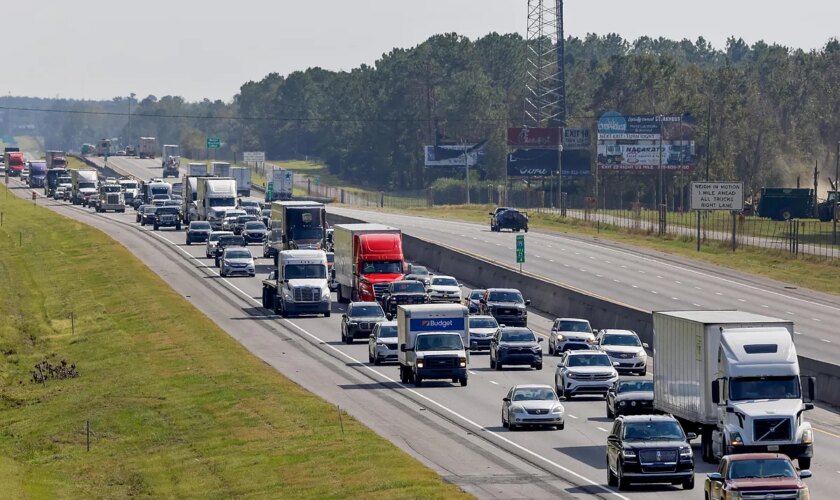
533 138
646 157
614 126
543 163
576 138
455 155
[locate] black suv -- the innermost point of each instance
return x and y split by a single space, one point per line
649 449
227 240
168 217
508 218
401 293
515 346
359 320
506 305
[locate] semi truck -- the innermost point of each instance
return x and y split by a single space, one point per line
295 225
15 162
56 159
786 203
214 197
431 342
171 160
196 169
733 377
147 147
243 180
37 173
280 185
189 183
155 187
131 190
84 184
111 197
299 284
827 210
51 182
367 258
103 147
220 168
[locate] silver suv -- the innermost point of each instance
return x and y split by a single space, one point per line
584 372
625 350
570 334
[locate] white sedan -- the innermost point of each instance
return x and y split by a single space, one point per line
444 289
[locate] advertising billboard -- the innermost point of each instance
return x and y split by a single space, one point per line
533 138
543 163
646 157
454 155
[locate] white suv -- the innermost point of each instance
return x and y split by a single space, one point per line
584 372
625 350
570 334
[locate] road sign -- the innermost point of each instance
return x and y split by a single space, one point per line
520 248
253 156
269 192
717 196
214 143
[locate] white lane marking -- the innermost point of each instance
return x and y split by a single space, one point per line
798 333
826 341
408 389
591 258
696 305
816 319
635 286
660 277
582 270
494 382
602 429
607 262
549 246
654 292
599 275
678 282
551 260
642 272
675 298
565 265
617 281
624 267
539 256
571 416
792 314
577 253
697 288
497 244
764 306
472 372
718 293
741 300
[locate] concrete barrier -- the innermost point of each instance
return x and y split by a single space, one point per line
561 300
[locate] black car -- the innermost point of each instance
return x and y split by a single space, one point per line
254 232
359 320
630 396
649 449
239 225
227 240
402 293
167 217
138 216
506 305
198 232
515 346
473 300
508 218
147 214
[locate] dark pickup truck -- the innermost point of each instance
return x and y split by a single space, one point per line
167 217
403 293
508 218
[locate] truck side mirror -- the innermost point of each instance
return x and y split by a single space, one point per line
716 392
403 348
810 385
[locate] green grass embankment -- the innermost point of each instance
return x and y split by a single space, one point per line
177 407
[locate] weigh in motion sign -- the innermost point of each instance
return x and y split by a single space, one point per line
520 248
717 196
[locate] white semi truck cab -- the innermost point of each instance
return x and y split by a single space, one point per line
299 285
734 377
214 197
432 340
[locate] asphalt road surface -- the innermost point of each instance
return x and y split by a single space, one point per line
456 430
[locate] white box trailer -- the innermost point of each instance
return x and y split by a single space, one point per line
148 147
243 180
195 169
282 185
220 169
432 340
734 377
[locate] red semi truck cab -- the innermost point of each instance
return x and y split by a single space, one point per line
367 258
14 163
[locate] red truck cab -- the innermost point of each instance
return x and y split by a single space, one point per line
379 262
14 163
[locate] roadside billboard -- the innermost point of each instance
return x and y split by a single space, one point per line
455 155
640 143
543 163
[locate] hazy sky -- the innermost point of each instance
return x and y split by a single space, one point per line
95 49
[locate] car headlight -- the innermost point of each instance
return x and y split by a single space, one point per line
557 409
517 409
685 452
803 494
420 363
325 295
352 323
641 354
462 362
537 347
807 436
561 338
735 439
628 454
503 347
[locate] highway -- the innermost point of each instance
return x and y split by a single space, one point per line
457 431
645 279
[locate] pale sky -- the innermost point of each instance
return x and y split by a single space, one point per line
97 49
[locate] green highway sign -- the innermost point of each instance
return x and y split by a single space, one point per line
520 248
269 192
214 143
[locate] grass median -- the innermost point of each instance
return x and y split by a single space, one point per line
176 407
804 271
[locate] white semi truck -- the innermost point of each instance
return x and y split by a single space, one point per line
148 146
214 197
431 341
243 180
733 377
220 169
282 183
85 184
171 160
299 284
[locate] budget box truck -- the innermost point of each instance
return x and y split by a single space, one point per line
432 340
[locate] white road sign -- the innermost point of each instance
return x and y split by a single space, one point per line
717 196
253 156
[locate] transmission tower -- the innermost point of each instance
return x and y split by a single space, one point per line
545 98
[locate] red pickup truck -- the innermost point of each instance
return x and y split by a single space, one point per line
759 475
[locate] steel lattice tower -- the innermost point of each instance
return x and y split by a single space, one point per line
545 98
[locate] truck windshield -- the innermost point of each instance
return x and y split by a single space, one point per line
222 202
83 185
306 233
769 467
129 185
111 189
506 297
653 431
439 343
305 271
747 388
160 190
382 267
65 180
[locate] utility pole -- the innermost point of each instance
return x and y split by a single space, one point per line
708 140
836 195
560 201
467 168
128 139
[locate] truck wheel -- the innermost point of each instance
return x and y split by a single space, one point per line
327 314
804 463
418 380
188 241
156 227
177 227
538 366
463 381
688 484
498 365
785 214
284 313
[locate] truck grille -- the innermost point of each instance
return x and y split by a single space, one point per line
441 362
379 289
113 199
771 429
658 456
775 494
307 294
409 299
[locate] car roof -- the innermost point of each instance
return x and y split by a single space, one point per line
648 418
363 303
222 233
532 386
757 456
436 276
587 352
481 316
619 332
574 319
515 328
202 222
228 249
503 290
387 323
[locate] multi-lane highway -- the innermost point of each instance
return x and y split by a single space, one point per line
455 430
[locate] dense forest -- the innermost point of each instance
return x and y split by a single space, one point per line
769 111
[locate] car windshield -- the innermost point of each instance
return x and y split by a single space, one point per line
589 360
382 267
621 340
65 180
84 185
445 281
221 202
160 193
534 394
200 225
419 270
245 218
171 203
769 467
663 430
387 331
228 240
747 388
476 294
518 336
408 287
635 386
366 310
129 185
305 271
254 225
244 204
506 297
483 323
447 342
216 236
238 254
574 326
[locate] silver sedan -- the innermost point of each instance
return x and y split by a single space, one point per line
532 405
